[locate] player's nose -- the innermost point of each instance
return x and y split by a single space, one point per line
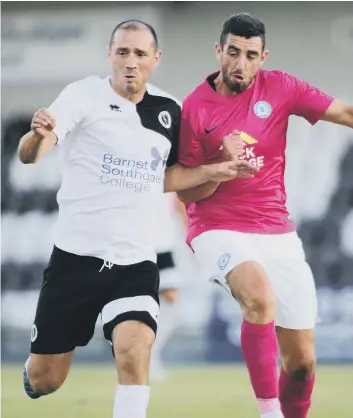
130 67
240 64
131 63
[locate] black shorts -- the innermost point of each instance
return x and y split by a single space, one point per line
74 292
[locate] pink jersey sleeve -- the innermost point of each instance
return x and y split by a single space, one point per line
190 147
306 101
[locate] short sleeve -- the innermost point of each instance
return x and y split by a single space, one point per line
174 151
306 101
190 147
67 110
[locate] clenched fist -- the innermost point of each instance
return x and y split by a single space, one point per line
43 123
233 146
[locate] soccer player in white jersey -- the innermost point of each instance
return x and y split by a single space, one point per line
115 141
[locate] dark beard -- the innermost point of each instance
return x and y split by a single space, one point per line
235 87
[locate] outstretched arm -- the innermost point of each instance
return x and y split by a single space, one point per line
313 104
340 113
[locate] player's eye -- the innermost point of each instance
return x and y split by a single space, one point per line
233 53
252 56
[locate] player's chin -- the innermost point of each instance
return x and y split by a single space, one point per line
239 87
137 89
131 88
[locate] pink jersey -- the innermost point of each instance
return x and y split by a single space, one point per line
261 112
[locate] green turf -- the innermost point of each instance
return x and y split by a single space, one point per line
195 392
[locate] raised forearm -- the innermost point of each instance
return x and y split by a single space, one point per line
179 178
32 147
198 193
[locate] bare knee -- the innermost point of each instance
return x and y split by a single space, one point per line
252 289
301 368
131 356
45 380
132 348
47 373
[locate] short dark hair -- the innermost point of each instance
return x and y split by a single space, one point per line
245 25
134 24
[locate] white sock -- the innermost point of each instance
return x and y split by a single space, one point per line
269 408
166 326
131 401
276 414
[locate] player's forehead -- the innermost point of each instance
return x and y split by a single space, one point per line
132 39
244 44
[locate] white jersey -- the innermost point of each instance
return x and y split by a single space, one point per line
113 155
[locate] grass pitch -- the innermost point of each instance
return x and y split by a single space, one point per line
192 392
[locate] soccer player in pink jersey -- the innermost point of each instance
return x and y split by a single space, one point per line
240 230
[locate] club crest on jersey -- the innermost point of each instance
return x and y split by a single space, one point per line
165 119
262 109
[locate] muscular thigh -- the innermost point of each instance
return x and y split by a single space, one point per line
297 351
295 344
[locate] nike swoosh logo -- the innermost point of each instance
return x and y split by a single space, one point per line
208 131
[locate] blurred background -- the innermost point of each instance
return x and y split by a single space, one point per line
46 45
